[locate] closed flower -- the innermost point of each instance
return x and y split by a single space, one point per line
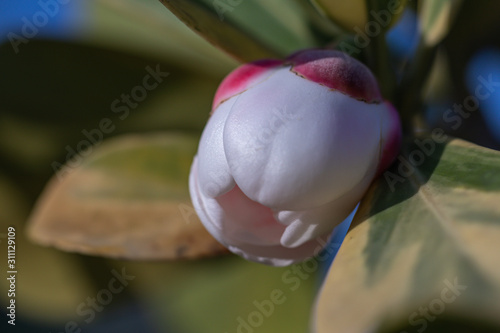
289 150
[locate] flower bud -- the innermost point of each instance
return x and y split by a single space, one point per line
289 150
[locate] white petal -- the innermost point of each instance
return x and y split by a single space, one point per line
293 144
278 255
247 221
235 216
213 171
298 232
215 220
302 226
203 205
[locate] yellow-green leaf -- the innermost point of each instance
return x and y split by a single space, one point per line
128 199
423 250
436 18
353 16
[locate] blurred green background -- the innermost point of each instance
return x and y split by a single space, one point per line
63 80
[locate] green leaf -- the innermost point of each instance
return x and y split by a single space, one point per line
436 18
248 30
430 222
147 29
128 199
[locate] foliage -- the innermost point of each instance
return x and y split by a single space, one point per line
425 235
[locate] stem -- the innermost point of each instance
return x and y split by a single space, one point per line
378 56
408 97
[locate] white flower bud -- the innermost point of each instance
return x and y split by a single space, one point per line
289 151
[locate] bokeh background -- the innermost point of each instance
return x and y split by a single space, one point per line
63 79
